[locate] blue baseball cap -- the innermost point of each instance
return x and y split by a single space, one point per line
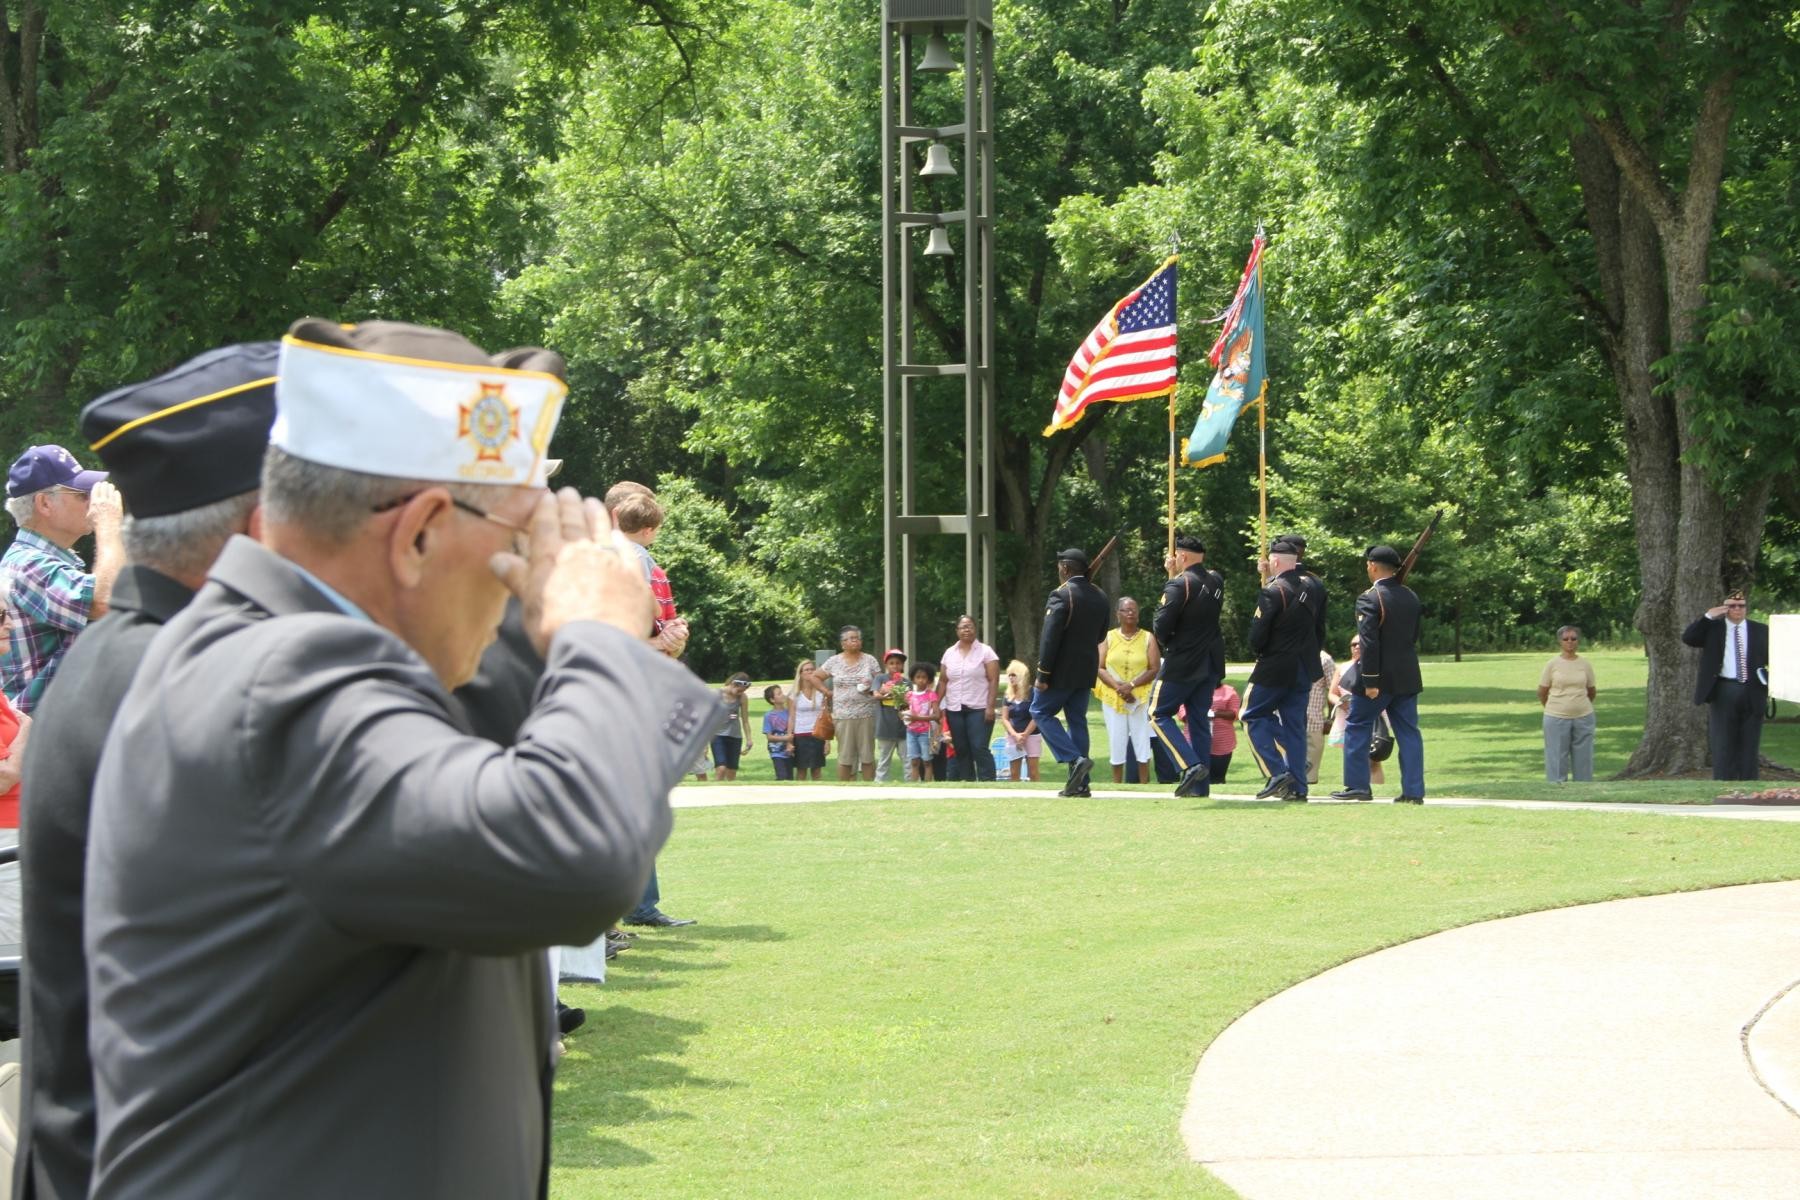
43 467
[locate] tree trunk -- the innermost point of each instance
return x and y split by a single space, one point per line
1100 471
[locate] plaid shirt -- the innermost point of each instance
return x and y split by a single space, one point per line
1321 689
48 597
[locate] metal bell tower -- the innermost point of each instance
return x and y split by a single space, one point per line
911 232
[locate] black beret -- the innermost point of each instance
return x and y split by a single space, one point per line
190 436
1385 555
1190 543
1072 555
1285 546
1298 541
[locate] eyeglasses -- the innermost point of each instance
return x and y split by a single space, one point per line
1735 604
69 491
521 533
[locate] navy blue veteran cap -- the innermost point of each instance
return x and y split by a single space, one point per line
190 436
1387 556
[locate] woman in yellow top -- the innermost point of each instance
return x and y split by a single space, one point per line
1566 690
1129 660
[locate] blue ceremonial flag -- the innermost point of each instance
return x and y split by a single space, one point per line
1238 356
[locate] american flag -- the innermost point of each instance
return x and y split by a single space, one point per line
1130 354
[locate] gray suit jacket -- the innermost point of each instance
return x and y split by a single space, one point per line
56 1117
316 905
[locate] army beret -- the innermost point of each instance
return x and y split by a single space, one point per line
1190 543
1078 557
190 436
1298 541
1387 556
411 402
1285 546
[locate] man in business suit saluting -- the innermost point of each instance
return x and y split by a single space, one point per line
1387 625
1734 681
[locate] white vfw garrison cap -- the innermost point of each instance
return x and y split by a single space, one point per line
412 402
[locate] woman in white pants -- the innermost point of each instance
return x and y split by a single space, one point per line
1129 659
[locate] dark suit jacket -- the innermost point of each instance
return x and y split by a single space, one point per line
56 1114
1387 622
1186 626
1285 632
1708 633
317 906
1075 622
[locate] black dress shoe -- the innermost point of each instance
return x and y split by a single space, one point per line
568 1020
1084 794
1196 781
1277 785
1409 799
658 919
1079 770
1352 794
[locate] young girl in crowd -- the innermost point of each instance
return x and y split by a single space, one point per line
804 707
1022 737
922 714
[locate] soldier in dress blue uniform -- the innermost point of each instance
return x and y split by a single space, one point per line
1186 627
1285 634
1387 625
1068 664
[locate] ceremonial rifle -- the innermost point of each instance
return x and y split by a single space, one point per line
1101 557
1413 557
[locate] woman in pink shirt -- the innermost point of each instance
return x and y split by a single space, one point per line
1224 714
969 682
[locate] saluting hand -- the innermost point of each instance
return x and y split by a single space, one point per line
577 568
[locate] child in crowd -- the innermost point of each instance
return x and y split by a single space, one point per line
733 738
922 713
639 517
1024 745
775 733
890 720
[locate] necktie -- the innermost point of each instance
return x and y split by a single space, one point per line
1737 634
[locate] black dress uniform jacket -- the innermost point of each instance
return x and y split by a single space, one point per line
1285 631
1186 626
1075 622
55 1156
1387 623
317 905
1708 633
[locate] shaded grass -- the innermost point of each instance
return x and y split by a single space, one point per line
1007 996
1483 737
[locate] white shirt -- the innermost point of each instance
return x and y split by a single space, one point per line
1728 669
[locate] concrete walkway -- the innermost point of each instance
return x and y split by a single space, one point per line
1635 1049
716 795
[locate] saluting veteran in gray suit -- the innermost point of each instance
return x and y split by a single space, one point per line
316 904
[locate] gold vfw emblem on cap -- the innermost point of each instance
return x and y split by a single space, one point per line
490 422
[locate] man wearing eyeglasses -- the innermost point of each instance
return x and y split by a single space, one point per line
50 596
1733 680
317 904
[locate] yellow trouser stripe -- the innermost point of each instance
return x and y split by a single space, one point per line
1155 697
1261 765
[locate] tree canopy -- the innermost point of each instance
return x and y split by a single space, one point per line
1533 265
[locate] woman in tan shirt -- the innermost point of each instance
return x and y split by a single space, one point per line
1566 690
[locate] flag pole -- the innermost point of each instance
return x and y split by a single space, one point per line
1262 473
1171 552
1174 252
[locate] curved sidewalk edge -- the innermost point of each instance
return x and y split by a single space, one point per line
1772 1043
1592 1052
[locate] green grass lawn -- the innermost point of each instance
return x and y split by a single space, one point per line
1483 736
918 996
